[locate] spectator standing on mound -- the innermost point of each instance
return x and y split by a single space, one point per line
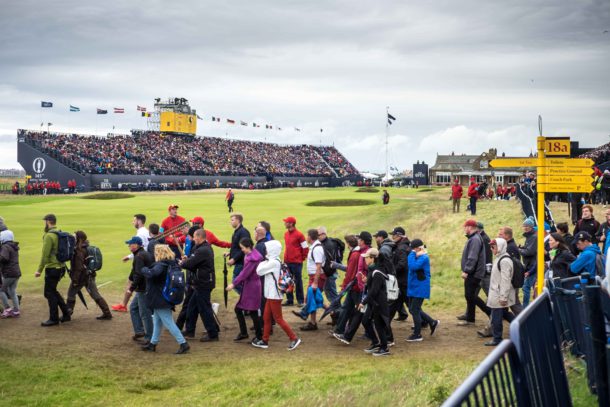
54 271
230 197
456 195
473 195
386 197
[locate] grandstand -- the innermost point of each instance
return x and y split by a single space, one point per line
144 154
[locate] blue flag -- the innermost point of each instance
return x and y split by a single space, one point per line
74 109
46 104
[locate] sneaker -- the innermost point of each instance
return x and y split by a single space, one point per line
309 327
119 308
391 343
15 314
462 317
293 344
341 338
433 327
372 348
298 314
415 338
381 352
465 323
259 343
6 313
492 343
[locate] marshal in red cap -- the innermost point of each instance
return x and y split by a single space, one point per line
291 219
470 222
198 220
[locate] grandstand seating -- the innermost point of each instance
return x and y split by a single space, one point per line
144 152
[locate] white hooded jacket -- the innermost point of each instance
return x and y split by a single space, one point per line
500 282
270 268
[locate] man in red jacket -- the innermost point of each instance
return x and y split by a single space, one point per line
456 195
295 253
209 236
172 221
473 194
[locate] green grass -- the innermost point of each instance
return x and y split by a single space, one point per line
87 364
341 202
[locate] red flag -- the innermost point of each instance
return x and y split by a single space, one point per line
119 110
141 108
230 121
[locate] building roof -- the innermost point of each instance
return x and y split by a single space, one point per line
454 162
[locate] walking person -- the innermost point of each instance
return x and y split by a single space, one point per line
141 315
400 259
270 269
419 289
295 253
352 299
156 275
501 290
54 271
82 277
473 195
377 299
473 271
528 253
230 197
250 297
202 277
10 273
236 256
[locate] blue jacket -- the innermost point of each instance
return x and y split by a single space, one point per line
585 262
418 288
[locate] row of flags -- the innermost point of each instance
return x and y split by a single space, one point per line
116 110
243 123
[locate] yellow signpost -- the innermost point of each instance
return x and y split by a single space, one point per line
553 175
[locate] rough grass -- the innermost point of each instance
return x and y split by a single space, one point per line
341 202
108 195
368 189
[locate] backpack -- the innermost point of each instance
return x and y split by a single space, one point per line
94 259
340 249
391 286
333 251
66 244
286 282
518 271
175 285
599 265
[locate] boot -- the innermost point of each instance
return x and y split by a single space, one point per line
149 347
184 347
70 304
106 314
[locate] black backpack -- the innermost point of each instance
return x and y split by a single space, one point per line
518 271
339 249
65 246
94 259
599 265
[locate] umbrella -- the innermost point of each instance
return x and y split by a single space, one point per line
225 283
336 303
82 298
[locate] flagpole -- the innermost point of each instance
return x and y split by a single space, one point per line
387 131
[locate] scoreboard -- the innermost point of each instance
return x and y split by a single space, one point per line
178 123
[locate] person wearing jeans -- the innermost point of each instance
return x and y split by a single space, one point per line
156 276
528 284
419 289
295 253
141 317
10 273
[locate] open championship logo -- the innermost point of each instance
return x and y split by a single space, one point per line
39 165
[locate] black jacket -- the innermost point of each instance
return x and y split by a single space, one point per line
152 243
561 264
386 252
487 246
473 256
235 252
513 249
200 265
400 260
260 247
529 250
9 260
141 258
377 295
156 275
590 226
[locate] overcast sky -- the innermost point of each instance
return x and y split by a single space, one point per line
459 76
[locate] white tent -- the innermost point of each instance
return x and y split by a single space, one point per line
369 175
387 178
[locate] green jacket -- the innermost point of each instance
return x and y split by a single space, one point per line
49 251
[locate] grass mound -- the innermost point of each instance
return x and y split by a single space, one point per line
424 190
367 189
109 195
341 202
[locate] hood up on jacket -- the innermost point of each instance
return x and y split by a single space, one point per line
274 248
502 245
6 236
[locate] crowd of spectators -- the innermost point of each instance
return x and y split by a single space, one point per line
600 154
144 152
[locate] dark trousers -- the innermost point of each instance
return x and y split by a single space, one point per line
380 333
256 320
296 269
473 205
471 285
200 305
357 319
497 314
347 310
54 298
183 311
419 315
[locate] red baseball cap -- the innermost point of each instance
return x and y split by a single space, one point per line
290 219
172 206
471 222
197 219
